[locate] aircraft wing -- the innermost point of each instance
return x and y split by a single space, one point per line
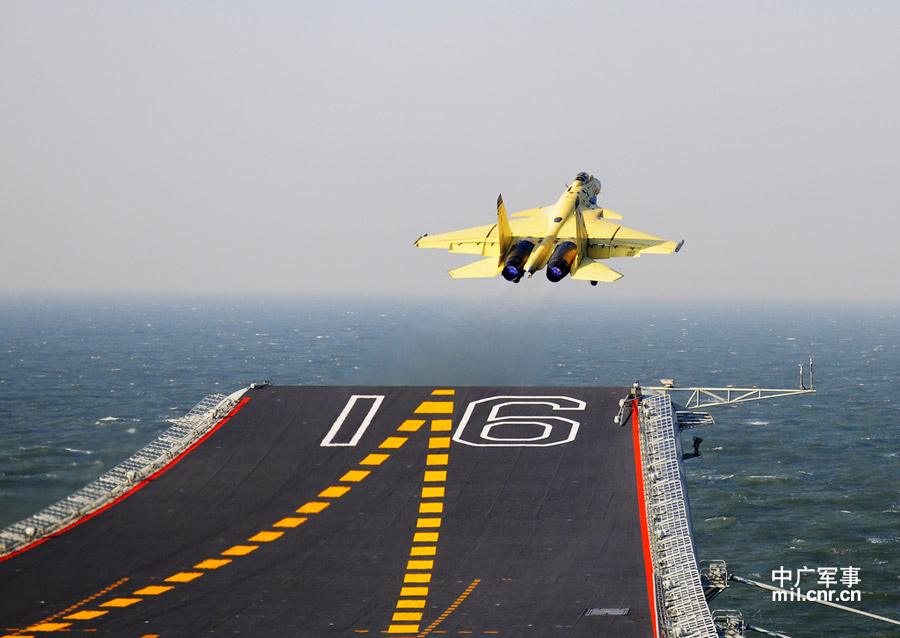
485 240
479 240
607 239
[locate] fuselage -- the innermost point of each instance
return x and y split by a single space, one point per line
579 195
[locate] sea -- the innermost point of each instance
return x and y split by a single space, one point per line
803 488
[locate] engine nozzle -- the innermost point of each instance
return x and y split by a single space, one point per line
560 263
512 268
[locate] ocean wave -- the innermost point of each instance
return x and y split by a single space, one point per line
881 540
766 478
77 451
719 519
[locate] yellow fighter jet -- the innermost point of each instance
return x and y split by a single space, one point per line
567 237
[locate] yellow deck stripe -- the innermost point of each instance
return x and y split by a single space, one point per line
313 507
121 602
438 442
393 442
375 459
407 615
426 537
354 476
435 407
86 615
57 626
153 590
265 537
184 577
431 508
441 425
335 491
290 522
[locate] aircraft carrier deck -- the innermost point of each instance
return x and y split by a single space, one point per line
380 511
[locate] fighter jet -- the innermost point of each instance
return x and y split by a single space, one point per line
567 237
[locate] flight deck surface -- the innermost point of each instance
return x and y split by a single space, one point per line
355 511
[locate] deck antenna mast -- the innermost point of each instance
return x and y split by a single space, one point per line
803 387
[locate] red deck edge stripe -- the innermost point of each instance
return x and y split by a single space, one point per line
645 531
135 488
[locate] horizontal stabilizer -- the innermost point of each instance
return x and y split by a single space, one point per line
590 270
600 213
484 268
608 214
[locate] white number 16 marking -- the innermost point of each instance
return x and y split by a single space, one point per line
510 430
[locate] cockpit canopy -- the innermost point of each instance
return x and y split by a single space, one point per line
583 177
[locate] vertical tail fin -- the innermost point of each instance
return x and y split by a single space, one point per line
504 232
581 237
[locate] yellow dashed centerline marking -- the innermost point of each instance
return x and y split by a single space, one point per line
240 550
447 392
393 442
421 564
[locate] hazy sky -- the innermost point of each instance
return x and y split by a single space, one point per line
302 147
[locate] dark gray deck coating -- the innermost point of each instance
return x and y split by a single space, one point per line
530 537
